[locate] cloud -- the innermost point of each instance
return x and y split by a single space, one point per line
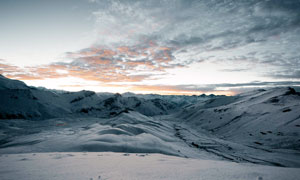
268 83
263 33
235 70
136 41
292 74
225 88
104 64
7 68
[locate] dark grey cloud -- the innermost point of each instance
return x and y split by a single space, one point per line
264 33
271 84
234 88
214 87
293 74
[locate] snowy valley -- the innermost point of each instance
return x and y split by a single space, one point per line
49 134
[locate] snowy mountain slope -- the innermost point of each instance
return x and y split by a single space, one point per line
129 132
202 140
181 100
30 104
264 120
6 83
259 116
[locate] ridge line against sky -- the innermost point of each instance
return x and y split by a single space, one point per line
157 46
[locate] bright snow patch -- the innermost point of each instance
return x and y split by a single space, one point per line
95 166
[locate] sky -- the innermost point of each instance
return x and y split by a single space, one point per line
151 46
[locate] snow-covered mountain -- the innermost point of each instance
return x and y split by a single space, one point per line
6 83
19 101
181 100
259 118
257 127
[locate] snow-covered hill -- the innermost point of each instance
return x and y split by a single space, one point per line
259 118
260 125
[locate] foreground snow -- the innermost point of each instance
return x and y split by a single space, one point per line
108 165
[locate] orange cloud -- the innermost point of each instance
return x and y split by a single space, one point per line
99 63
126 51
8 68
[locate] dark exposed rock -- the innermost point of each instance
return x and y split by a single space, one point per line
292 91
258 143
286 110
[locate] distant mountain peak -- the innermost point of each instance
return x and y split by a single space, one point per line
6 83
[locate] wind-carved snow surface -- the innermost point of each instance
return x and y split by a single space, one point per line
47 134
